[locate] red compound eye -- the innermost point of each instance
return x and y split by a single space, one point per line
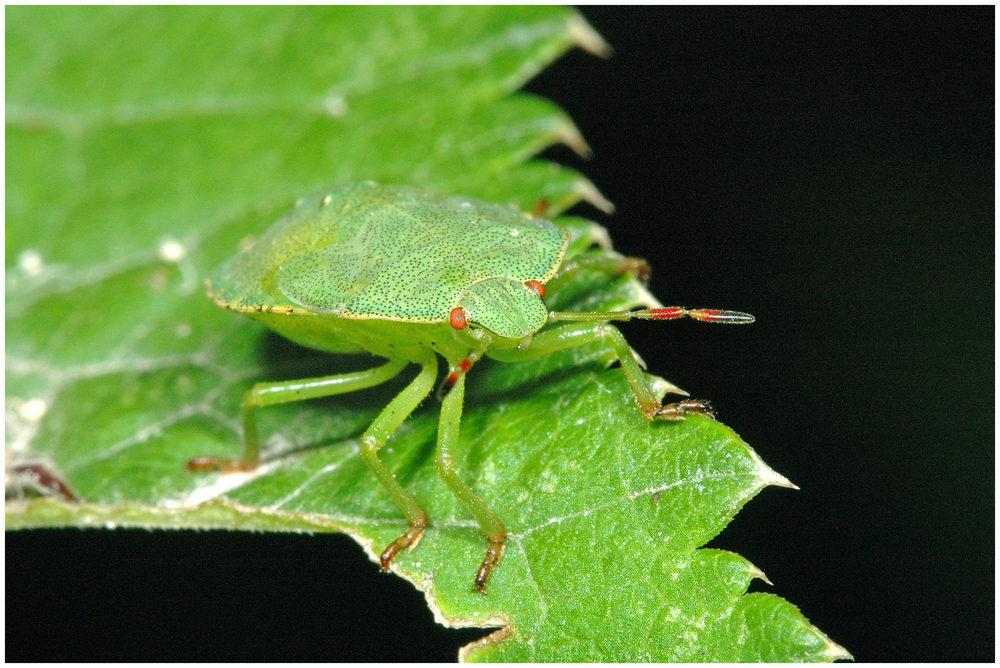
535 287
457 318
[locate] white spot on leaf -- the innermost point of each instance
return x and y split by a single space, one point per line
30 262
171 250
33 410
335 105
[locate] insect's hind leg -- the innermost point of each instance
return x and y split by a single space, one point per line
582 333
271 394
489 523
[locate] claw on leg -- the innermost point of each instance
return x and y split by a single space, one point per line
637 268
494 553
406 541
678 410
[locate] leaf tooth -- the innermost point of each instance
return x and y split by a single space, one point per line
832 650
589 193
588 39
755 572
769 476
772 477
567 132
662 386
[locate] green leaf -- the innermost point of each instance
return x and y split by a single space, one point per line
144 144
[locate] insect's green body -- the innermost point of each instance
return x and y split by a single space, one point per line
375 268
403 274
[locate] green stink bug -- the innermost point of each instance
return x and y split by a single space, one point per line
404 273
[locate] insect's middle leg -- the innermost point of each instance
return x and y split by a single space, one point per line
582 333
283 392
374 438
489 523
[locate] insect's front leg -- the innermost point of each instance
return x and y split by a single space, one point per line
489 523
479 342
270 394
582 333
374 438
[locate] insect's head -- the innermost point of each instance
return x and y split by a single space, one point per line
508 308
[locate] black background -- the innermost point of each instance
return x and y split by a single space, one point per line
830 171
